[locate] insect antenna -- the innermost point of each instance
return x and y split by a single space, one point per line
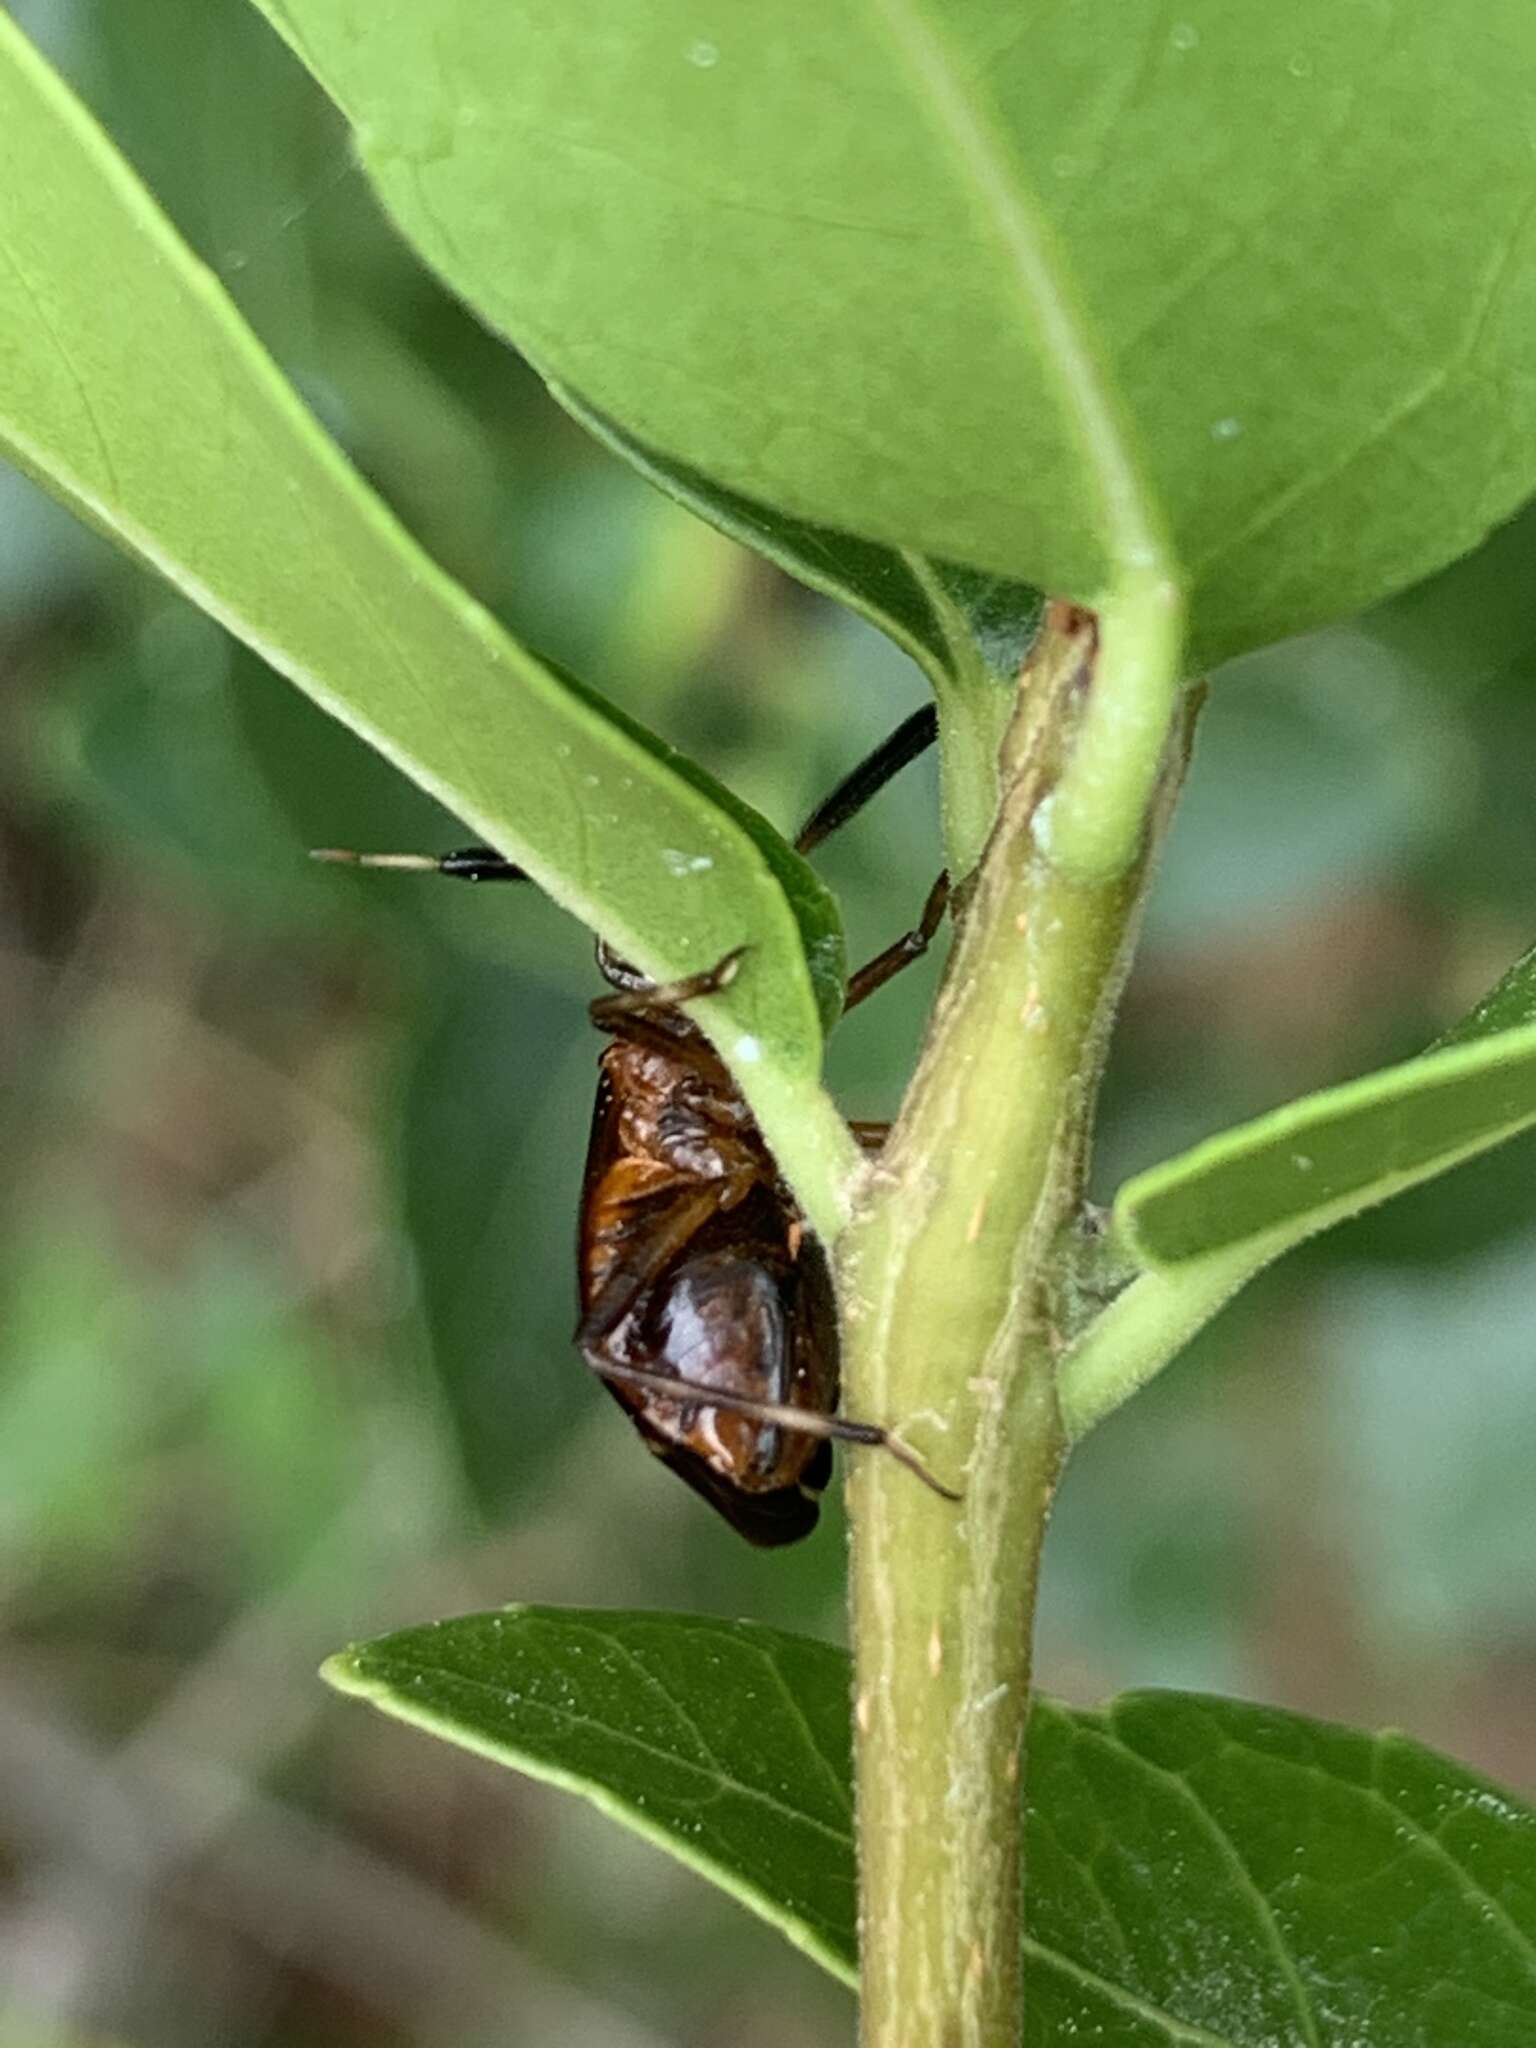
914 736
468 864
688 1393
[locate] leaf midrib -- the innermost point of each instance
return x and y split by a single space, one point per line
1133 523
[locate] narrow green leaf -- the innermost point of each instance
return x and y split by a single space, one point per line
1314 1162
1508 1006
1019 287
167 426
1201 1872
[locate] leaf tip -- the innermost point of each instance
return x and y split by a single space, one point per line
343 1672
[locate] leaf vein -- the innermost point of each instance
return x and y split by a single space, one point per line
1519 1939
1185 2031
724 1783
841 1793
1395 417
1232 1855
72 371
713 1761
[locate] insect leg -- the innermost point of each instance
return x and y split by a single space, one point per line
912 737
911 946
647 998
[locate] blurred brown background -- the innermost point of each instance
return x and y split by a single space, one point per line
290 1158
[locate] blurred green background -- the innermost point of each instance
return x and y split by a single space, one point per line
291 1156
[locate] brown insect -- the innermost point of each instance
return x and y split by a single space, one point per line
706 1302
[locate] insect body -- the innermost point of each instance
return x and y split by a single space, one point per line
695 1267
706 1302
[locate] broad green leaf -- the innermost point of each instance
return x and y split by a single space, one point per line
968 630
1316 1161
1017 287
168 427
1199 1871
953 621
725 1743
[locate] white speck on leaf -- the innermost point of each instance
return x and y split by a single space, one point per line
684 863
1302 1162
748 1050
1226 429
1491 1803
1300 66
1184 35
703 56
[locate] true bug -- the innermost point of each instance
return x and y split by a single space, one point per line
696 1269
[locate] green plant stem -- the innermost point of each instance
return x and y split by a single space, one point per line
974 710
949 1286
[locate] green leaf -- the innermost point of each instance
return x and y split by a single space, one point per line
953 621
1200 1871
1029 289
725 1743
967 629
168 427
1314 1162
1205 1864
1509 1005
